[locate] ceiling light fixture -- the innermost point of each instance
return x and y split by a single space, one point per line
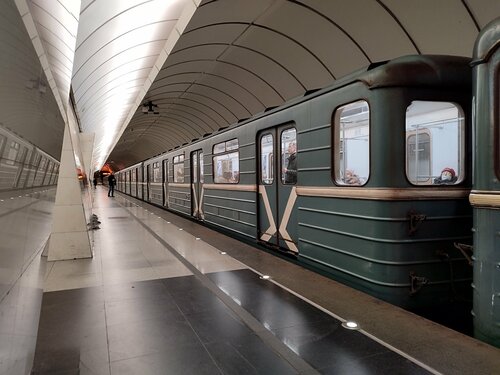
150 108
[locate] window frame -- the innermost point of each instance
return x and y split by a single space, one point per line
462 147
335 156
271 164
280 140
176 160
222 153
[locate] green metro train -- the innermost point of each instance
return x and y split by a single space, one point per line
370 180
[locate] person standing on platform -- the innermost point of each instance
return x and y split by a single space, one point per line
111 183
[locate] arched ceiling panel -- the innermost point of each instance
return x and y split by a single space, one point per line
109 73
203 101
483 11
293 57
56 23
224 33
217 12
365 22
196 52
117 46
441 34
236 106
195 106
273 72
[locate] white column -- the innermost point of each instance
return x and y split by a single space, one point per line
70 235
87 147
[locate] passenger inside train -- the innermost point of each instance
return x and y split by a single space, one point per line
447 177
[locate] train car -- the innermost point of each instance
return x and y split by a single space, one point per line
485 197
366 180
20 163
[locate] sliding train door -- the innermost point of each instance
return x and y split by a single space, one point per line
165 182
277 187
197 184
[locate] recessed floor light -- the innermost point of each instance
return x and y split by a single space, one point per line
223 253
265 277
168 222
181 229
349 324
198 238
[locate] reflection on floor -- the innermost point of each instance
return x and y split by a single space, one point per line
159 298
25 222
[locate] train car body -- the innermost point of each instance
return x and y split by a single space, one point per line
366 180
485 198
23 165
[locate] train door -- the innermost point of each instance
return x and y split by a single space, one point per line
165 182
140 185
197 180
277 187
148 183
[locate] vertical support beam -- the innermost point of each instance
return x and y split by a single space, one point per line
87 143
70 236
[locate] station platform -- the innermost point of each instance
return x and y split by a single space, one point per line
165 295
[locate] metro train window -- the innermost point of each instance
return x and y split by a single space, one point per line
289 156
434 143
226 162
13 152
352 144
178 168
267 159
156 172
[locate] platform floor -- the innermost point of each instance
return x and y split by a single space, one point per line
164 295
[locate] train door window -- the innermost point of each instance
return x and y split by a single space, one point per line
13 151
156 172
202 178
178 168
226 162
3 140
434 143
194 162
289 156
352 144
267 159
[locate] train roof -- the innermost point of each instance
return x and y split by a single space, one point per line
487 42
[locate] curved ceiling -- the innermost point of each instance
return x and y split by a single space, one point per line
208 64
236 58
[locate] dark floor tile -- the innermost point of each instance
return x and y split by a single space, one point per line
76 314
180 285
147 337
80 296
380 364
178 360
266 301
324 344
66 359
139 309
152 289
218 326
248 356
198 300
